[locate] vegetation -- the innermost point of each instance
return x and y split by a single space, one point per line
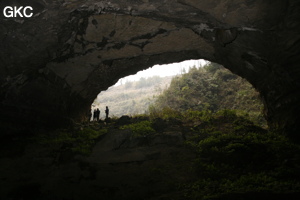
219 117
237 157
211 88
77 141
139 129
234 158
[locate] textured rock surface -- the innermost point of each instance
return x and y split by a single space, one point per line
120 167
54 64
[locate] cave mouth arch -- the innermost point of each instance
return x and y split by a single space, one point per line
124 44
51 72
110 46
196 85
150 82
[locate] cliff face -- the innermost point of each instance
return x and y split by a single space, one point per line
55 63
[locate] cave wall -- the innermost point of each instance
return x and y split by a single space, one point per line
54 64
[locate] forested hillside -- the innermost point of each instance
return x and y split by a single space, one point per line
211 88
132 97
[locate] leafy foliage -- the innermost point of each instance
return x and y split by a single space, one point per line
235 156
211 88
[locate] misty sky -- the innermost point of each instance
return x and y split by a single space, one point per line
164 70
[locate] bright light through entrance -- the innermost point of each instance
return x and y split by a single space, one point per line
133 94
164 70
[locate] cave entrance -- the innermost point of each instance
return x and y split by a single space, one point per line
133 94
196 85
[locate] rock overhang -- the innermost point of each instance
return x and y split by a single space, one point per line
55 63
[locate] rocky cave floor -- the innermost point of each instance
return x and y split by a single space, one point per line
117 164
119 167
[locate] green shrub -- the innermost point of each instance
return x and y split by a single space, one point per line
195 115
139 129
258 182
231 162
165 113
226 114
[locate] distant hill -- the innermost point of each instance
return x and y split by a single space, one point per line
212 88
132 97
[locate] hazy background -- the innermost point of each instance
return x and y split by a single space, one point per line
133 94
164 70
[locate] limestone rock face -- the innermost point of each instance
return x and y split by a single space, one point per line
53 64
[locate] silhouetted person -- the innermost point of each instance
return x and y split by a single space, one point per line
97 114
106 112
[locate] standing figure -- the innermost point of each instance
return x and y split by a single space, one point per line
106 112
98 114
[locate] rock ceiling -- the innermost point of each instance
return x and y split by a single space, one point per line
53 64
